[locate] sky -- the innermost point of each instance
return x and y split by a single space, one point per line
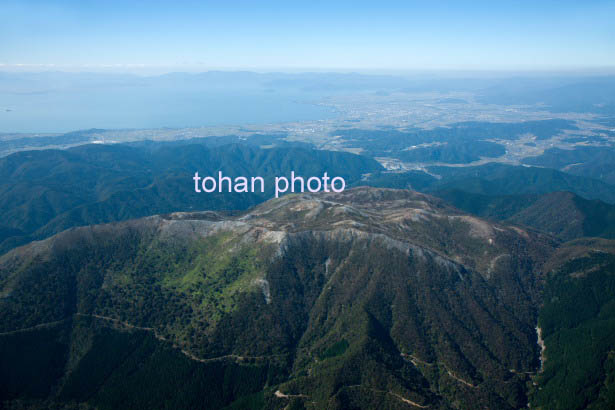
162 36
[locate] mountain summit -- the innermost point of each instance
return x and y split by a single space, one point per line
369 298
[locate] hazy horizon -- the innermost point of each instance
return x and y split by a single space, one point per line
155 71
189 36
57 101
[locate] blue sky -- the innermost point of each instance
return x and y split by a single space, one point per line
284 35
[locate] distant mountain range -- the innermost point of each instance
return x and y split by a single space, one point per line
593 161
497 179
45 192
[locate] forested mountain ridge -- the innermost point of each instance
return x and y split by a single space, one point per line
370 298
496 179
577 323
45 192
562 214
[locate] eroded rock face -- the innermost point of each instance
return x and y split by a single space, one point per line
391 291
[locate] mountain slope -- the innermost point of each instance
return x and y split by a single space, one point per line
577 323
370 298
590 161
45 192
569 216
562 214
496 179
